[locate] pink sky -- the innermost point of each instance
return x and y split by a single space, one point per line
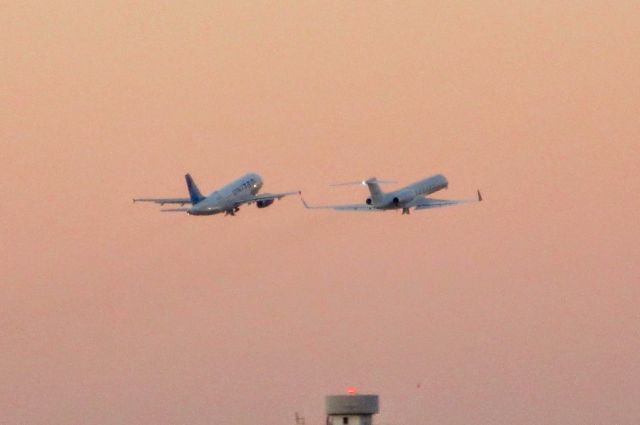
523 309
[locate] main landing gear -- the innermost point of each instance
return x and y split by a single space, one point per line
231 212
406 211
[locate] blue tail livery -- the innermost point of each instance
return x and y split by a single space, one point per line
194 192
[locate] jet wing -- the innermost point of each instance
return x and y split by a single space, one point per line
266 197
162 201
344 207
425 203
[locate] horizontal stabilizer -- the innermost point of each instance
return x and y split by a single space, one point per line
363 182
175 210
162 201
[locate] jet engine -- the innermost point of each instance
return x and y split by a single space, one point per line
368 201
403 197
264 203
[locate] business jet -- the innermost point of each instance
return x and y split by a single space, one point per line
227 199
411 196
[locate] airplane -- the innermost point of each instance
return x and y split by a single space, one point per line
227 199
411 196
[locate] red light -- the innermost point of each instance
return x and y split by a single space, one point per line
351 390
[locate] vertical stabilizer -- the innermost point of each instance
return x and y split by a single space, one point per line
377 194
194 192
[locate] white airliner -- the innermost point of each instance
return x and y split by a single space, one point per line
412 196
227 199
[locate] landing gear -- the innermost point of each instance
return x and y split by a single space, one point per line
232 212
406 211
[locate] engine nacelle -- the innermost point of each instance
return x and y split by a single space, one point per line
403 197
368 201
264 203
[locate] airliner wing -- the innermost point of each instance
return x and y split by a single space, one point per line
425 203
266 197
162 201
344 207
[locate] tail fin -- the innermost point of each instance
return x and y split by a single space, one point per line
374 188
194 192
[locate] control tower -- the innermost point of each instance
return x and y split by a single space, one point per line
351 409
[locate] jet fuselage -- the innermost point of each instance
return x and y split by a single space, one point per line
228 197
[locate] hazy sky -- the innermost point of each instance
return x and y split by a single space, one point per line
523 309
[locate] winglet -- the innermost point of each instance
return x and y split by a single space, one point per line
479 196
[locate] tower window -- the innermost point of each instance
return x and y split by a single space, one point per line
345 420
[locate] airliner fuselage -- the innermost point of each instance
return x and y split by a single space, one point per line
406 196
227 199
411 196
